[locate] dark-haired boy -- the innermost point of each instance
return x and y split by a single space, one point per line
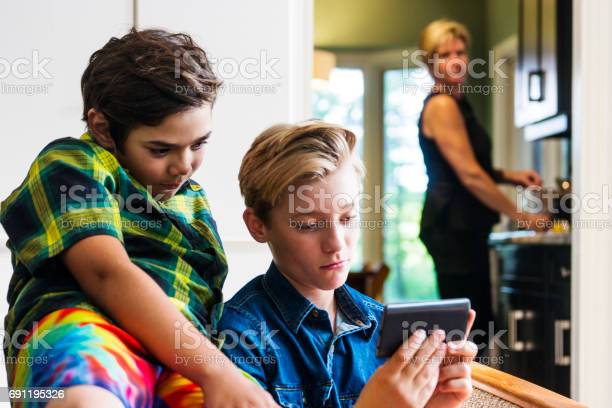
118 265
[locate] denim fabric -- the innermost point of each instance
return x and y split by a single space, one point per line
283 340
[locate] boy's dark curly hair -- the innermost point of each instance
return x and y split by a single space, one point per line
145 76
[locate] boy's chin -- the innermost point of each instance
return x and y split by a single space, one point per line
335 283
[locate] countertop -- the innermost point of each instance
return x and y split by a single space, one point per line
530 238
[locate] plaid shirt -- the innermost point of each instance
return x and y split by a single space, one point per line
76 189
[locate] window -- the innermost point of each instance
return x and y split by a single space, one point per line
340 101
405 181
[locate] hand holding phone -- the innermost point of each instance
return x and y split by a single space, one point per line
400 320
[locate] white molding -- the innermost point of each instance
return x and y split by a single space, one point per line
503 142
507 48
591 248
301 47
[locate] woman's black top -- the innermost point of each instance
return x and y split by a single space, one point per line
448 204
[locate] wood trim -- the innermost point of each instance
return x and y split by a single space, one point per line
516 390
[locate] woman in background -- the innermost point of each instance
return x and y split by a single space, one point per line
462 201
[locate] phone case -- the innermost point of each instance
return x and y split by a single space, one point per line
400 320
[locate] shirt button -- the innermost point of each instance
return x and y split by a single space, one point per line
315 312
359 322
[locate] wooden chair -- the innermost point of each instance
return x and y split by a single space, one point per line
371 280
496 389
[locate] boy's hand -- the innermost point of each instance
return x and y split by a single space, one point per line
409 377
455 381
227 387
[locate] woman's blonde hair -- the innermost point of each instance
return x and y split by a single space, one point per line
285 155
439 31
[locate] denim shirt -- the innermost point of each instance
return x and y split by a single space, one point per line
286 343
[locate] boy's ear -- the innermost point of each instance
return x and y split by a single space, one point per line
256 227
99 128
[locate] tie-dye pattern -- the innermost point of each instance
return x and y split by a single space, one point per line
75 346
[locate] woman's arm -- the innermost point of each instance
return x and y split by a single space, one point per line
132 298
443 121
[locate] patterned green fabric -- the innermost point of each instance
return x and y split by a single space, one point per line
76 189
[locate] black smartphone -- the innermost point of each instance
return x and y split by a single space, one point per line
400 320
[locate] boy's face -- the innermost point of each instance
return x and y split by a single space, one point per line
312 232
165 156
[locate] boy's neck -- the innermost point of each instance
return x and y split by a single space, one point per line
322 299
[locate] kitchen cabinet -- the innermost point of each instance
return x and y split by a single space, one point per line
543 71
531 284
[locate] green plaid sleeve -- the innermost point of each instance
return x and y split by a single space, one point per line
66 197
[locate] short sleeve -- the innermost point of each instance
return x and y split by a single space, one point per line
66 197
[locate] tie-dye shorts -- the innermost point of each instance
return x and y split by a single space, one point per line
75 346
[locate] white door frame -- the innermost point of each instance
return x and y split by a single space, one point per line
592 248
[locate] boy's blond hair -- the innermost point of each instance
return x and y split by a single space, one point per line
438 31
285 155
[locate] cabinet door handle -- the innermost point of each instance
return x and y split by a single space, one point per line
565 272
514 316
560 358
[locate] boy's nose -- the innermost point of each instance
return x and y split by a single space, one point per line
180 167
334 239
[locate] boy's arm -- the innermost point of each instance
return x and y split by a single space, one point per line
134 300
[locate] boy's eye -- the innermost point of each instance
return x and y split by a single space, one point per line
159 152
305 225
309 226
198 145
349 220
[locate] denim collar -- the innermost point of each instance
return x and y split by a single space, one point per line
294 307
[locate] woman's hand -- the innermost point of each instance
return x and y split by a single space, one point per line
227 387
455 378
536 222
525 178
409 378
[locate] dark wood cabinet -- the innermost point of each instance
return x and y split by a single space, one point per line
543 72
532 308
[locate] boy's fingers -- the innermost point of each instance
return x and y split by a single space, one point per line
470 322
457 385
457 370
430 371
427 350
407 350
464 348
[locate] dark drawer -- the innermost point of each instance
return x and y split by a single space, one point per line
559 265
521 263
